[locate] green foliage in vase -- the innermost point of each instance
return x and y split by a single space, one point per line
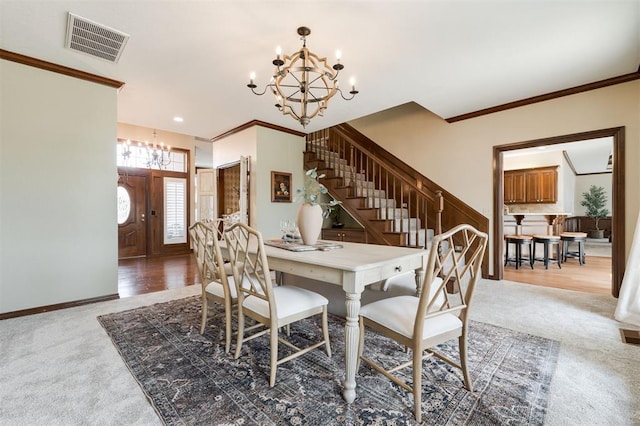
312 191
595 201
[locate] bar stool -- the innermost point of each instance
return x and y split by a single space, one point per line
518 241
548 241
573 237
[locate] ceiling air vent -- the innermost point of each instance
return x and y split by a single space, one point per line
93 39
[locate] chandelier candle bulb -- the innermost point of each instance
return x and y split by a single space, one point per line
278 62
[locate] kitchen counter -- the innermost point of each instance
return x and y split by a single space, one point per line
553 220
551 217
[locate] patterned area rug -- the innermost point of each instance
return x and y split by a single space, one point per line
189 379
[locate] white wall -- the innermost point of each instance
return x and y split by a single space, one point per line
270 150
280 152
459 156
58 233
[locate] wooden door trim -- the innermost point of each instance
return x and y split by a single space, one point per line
618 199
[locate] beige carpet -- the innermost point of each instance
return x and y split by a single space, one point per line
60 368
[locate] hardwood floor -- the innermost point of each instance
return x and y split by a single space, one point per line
592 277
143 275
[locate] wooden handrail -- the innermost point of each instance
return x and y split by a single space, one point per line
402 201
455 210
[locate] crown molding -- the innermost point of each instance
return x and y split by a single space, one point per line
50 66
548 96
256 123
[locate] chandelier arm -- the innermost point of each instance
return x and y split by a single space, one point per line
263 92
353 94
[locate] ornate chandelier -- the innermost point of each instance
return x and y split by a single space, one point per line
303 82
158 155
153 155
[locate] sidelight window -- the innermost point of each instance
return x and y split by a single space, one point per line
175 210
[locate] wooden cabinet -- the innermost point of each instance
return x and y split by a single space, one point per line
529 186
514 187
542 186
352 235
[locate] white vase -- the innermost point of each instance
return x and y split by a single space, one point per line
310 223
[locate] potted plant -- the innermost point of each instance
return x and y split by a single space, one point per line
335 218
595 201
311 212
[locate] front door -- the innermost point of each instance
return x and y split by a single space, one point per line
132 208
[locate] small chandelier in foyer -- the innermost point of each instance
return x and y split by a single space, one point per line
154 155
303 82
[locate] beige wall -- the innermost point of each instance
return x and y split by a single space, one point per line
459 156
58 233
174 140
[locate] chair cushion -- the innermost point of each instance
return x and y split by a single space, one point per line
289 301
215 288
399 313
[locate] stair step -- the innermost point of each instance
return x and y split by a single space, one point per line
393 213
367 214
406 225
380 203
357 179
370 192
381 225
418 239
395 238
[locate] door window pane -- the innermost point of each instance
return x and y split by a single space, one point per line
124 205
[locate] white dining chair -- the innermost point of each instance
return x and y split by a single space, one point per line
274 307
216 278
436 316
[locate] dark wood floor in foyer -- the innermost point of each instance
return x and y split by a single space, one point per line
142 275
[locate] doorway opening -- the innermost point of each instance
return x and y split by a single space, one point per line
618 201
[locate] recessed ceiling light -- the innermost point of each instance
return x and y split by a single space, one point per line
178 119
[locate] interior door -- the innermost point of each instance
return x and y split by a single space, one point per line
206 194
132 207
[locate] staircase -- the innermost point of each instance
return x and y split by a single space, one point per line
393 209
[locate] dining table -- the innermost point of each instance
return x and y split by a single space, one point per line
353 266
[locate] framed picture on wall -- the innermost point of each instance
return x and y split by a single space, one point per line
280 187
